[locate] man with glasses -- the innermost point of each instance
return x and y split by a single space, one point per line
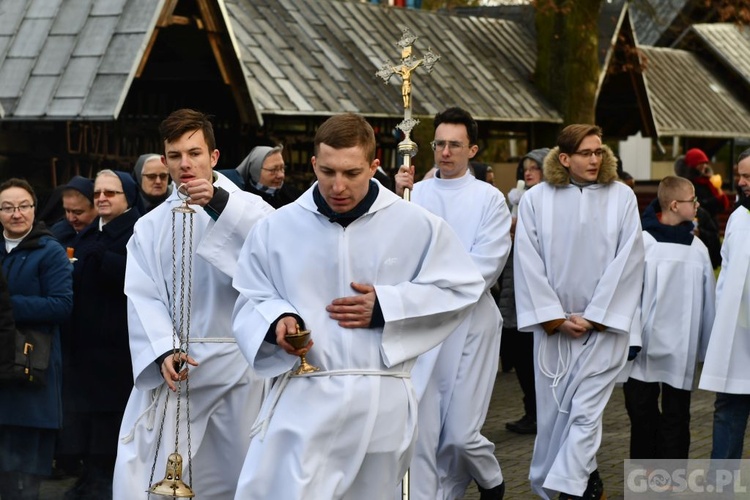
578 269
153 180
725 368
454 381
262 173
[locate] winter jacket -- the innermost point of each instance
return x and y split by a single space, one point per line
39 281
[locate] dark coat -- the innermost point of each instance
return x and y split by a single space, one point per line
708 233
100 368
39 280
711 199
7 328
64 233
505 296
282 196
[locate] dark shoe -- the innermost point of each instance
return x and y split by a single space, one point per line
66 466
495 493
594 490
526 425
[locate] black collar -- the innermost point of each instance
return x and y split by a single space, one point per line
348 217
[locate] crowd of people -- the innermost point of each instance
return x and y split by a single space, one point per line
171 294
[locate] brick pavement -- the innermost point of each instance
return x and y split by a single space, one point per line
514 451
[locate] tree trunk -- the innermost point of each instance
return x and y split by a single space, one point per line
567 65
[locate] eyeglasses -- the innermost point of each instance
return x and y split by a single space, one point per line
10 209
532 168
694 201
152 177
440 145
107 192
277 170
587 153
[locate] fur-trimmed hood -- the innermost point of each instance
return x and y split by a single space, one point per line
556 174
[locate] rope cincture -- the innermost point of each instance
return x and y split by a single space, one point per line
563 360
261 426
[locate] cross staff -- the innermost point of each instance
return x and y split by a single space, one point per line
409 64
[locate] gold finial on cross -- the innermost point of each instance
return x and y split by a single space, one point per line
407 66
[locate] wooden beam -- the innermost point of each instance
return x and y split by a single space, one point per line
146 53
166 13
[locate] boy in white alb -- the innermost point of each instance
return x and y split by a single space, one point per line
677 310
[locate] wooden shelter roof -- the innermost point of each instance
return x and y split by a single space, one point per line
77 59
690 99
62 60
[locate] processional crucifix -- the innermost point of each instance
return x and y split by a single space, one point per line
407 147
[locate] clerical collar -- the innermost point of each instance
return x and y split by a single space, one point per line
346 218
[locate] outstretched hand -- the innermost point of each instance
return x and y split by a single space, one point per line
354 311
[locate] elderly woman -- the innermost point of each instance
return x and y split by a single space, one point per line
154 184
100 370
39 281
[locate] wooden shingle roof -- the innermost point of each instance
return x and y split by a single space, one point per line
76 59
71 59
653 19
688 99
729 43
319 57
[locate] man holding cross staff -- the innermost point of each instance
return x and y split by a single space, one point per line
454 381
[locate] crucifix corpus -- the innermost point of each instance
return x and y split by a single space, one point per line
409 64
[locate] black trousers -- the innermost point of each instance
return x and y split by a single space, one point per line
655 432
520 348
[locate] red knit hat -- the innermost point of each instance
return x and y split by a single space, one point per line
695 157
